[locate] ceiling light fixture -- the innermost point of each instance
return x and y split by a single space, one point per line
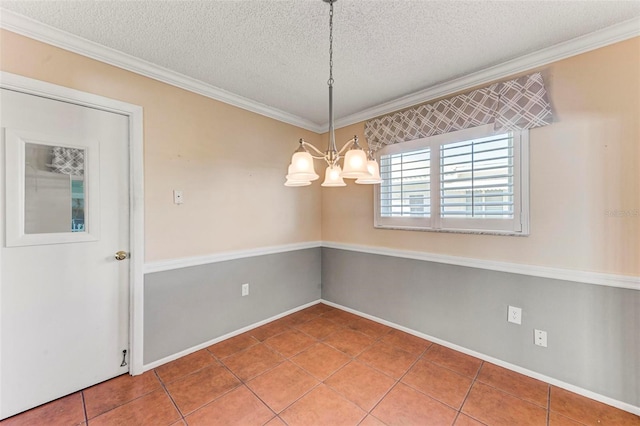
357 164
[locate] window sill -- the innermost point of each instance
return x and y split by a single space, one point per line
455 231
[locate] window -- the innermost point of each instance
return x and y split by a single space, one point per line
472 180
408 196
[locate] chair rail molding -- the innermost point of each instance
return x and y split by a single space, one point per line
585 277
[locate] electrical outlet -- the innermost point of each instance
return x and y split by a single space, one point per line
514 315
245 289
540 338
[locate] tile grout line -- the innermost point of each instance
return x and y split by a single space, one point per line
473 382
224 366
286 359
370 412
289 359
507 392
166 391
373 343
221 362
499 389
186 375
351 358
548 403
219 359
293 402
377 340
122 403
163 385
246 384
475 379
243 383
421 356
84 407
455 419
240 380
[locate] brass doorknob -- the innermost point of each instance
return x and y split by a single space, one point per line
121 255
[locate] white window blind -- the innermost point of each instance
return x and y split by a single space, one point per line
476 178
472 180
406 184
405 191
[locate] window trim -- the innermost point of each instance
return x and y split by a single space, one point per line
518 226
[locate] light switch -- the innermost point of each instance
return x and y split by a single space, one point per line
177 197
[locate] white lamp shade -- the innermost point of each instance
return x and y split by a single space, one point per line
297 183
301 177
332 177
374 169
355 164
302 162
301 167
299 180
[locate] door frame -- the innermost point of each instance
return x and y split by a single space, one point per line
136 192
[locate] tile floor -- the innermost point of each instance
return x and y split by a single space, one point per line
324 366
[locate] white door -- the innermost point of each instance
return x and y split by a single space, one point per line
64 298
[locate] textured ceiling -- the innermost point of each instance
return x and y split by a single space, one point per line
276 52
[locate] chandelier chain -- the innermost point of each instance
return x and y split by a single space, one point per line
330 82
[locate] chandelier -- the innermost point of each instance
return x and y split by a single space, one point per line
358 164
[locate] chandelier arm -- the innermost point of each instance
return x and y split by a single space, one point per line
313 148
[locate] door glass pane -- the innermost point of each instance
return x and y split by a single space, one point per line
54 192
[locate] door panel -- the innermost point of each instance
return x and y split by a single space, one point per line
64 311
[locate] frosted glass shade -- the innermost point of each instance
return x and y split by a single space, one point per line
355 164
374 169
301 167
297 183
300 180
332 177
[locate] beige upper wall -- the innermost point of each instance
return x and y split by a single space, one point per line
229 162
583 165
230 165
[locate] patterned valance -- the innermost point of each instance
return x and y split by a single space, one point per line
67 161
511 105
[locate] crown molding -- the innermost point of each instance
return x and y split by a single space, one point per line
597 39
42 32
39 31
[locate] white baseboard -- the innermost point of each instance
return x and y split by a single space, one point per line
575 389
572 388
158 363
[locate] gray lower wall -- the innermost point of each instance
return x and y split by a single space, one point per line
593 331
189 306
